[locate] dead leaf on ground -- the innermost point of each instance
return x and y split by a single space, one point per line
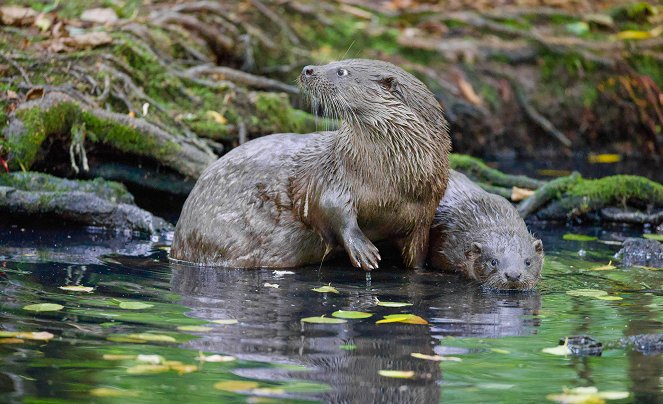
99 16
83 41
518 194
17 16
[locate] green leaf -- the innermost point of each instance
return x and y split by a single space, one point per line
397 374
236 385
609 298
135 305
348 347
351 314
326 289
402 318
77 288
44 307
578 237
578 28
657 237
152 337
194 328
305 387
393 304
323 320
112 392
587 292
147 369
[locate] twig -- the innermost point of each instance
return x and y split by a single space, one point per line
539 119
241 77
18 67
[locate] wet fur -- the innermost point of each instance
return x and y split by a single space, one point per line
286 200
466 215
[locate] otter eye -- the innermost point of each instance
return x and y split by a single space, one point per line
493 262
342 72
528 262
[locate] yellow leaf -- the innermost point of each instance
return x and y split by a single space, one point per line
183 368
500 351
217 117
112 392
111 357
436 358
215 358
226 321
402 318
194 328
236 385
152 337
397 374
632 34
326 289
11 341
77 288
518 194
147 369
608 267
604 158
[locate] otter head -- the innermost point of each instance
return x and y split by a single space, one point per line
371 92
506 262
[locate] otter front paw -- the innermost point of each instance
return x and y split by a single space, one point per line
363 254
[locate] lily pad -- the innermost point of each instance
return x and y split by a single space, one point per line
657 237
77 288
147 369
326 289
194 328
152 337
393 304
609 298
112 392
608 267
587 292
44 307
323 320
578 237
397 374
402 318
226 321
215 358
500 351
351 314
236 385
135 305
435 358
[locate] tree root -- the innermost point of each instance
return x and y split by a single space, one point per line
237 76
480 172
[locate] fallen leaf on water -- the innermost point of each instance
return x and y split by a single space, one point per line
271 285
609 298
147 369
402 318
657 237
397 374
587 292
578 237
152 337
392 304
35 336
77 288
194 328
44 307
326 289
122 338
113 357
226 321
500 351
215 358
153 359
648 268
608 267
135 305
561 350
112 392
236 385
182 368
587 395
436 358
351 314
11 341
604 158
323 320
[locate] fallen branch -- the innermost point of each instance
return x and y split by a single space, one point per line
237 76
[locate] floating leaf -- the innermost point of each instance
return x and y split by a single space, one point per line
648 268
182 368
608 267
587 292
397 374
147 369
323 320
351 314
44 307
135 305
11 341
152 337
587 395
112 357
436 358
500 351
657 237
326 289
153 359
348 347
215 358
609 298
35 336
305 387
402 318
578 237
561 350
77 288
194 328
271 285
112 392
604 158
392 304
227 321
236 385
122 338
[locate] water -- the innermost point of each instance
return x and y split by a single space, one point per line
498 337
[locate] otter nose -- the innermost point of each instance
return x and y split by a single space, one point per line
512 276
308 71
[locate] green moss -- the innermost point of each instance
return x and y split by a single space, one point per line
273 111
619 189
479 171
648 66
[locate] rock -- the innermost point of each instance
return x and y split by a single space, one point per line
32 196
645 343
641 252
582 345
99 16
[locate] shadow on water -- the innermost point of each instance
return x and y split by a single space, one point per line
497 338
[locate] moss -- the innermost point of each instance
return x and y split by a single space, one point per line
619 189
211 129
275 114
479 171
648 66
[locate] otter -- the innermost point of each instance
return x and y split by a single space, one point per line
287 200
482 236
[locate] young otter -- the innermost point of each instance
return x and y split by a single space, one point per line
482 236
286 200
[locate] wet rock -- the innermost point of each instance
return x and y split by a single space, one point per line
645 343
641 252
39 197
582 345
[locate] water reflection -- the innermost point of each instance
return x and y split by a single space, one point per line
270 329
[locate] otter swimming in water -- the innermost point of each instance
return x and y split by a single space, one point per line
286 200
482 236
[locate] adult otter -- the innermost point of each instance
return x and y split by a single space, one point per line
482 236
286 200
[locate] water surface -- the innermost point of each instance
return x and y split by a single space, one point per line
497 337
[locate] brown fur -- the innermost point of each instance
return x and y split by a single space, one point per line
287 200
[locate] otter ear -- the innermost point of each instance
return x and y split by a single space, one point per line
474 251
390 83
538 246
